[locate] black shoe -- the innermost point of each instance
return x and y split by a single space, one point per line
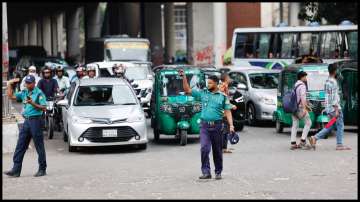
205 177
12 173
40 173
218 177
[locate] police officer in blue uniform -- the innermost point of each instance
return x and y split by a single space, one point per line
214 105
34 104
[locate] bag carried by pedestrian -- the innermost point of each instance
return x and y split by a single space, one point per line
290 103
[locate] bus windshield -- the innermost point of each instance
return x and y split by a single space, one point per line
126 51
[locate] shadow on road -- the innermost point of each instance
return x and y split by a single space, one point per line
109 149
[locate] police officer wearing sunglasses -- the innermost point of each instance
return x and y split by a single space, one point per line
214 105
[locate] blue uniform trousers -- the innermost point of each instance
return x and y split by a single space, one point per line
32 128
210 136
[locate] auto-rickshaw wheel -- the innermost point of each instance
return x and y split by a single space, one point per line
279 126
183 137
156 134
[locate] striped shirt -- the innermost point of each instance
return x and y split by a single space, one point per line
332 97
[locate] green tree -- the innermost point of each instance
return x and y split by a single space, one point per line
333 13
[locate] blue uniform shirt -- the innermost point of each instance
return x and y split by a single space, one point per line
37 96
213 104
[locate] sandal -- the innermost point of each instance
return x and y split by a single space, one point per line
227 151
342 147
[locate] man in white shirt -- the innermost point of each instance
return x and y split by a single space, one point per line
31 71
63 81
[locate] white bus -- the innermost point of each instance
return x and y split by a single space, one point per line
277 47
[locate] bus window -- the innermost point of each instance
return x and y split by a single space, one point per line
263 45
352 40
249 45
305 39
240 46
330 45
314 45
286 46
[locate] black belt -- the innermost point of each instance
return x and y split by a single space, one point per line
32 117
212 122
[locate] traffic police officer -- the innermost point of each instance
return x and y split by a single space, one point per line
34 104
214 105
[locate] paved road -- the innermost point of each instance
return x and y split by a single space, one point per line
261 167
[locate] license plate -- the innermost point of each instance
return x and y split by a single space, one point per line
109 133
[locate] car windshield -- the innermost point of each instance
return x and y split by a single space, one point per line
126 51
104 95
316 80
137 73
172 84
264 80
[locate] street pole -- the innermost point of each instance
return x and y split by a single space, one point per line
5 49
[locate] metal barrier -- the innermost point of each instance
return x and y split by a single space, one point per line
6 103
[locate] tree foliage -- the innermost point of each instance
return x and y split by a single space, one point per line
333 12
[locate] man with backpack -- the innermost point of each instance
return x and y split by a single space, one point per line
300 111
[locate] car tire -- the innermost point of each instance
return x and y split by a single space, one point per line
279 126
142 146
71 148
251 114
50 129
239 127
183 137
156 134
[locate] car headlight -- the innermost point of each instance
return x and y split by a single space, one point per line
197 107
81 120
267 101
136 118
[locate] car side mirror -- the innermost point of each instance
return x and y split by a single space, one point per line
241 86
63 103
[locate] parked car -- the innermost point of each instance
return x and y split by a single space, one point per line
259 91
103 112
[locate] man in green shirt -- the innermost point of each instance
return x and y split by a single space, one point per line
34 104
214 105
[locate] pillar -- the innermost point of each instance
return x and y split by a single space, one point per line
93 20
5 52
294 9
152 31
39 33
131 19
219 18
169 31
47 34
73 34
26 34
18 37
54 39
189 33
60 34
32 33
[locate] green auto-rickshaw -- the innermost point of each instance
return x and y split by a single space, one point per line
174 112
347 78
317 74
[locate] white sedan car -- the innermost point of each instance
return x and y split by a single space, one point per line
102 112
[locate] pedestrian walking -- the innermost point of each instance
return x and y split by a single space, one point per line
224 88
214 105
301 113
34 105
333 109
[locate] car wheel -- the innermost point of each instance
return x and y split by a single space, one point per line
50 129
183 137
71 148
251 114
279 126
156 134
239 127
142 146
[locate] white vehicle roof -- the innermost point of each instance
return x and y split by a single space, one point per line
106 64
298 29
102 81
255 70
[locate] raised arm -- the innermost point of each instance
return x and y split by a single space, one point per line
186 85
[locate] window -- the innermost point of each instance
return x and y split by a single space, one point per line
240 46
172 84
237 78
264 80
330 45
352 40
104 72
289 79
263 45
286 45
244 45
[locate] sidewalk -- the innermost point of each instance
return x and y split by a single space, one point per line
10 132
